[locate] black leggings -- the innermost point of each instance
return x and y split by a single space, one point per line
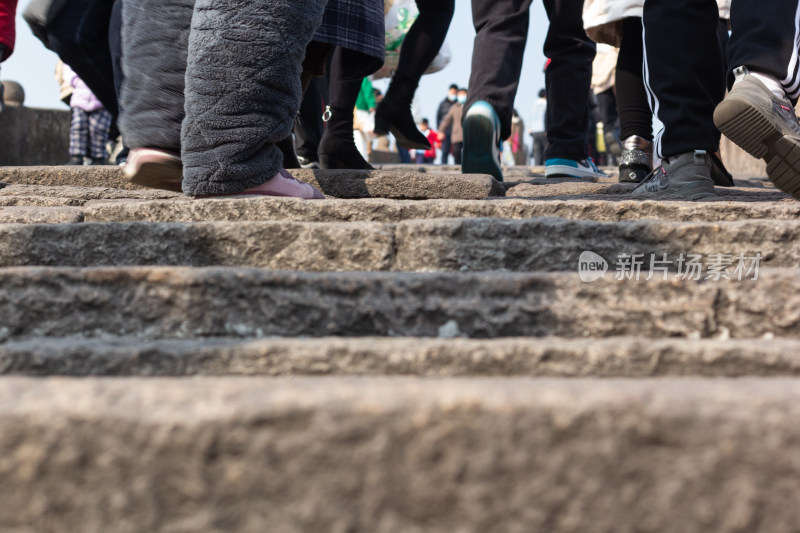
426 36
635 117
634 110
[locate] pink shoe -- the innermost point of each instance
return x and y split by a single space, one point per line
155 168
282 184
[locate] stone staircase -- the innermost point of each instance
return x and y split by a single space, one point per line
419 353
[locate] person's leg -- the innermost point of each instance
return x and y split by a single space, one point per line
501 28
337 148
99 130
683 76
683 69
723 37
155 36
79 35
115 46
308 126
635 117
567 82
78 136
458 149
420 46
446 145
539 145
243 90
758 113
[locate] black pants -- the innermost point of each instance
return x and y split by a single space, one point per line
80 37
447 144
684 62
456 150
502 31
539 146
308 126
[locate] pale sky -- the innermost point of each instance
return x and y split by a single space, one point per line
32 65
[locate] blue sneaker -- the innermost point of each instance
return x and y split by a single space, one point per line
481 150
569 168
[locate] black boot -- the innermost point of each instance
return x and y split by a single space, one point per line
286 147
75 160
337 149
394 115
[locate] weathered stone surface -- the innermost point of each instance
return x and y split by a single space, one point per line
279 245
384 210
20 194
410 185
556 244
170 302
336 183
544 244
72 176
39 215
387 455
33 137
629 357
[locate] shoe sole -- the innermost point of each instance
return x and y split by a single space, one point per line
750 129
561 171
479 146
156 171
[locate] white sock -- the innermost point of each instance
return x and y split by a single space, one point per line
771 83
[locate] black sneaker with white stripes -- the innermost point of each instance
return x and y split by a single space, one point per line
765 126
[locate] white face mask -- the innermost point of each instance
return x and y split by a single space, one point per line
451 97
462 99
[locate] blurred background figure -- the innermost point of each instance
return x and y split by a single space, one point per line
444 107
538 129
452 121
427 156
8 10
91 123
85 34
516 142
364 120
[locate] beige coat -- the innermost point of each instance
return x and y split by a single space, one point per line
453 120
602 19
64 89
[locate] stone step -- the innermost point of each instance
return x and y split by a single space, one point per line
400 454
40 215
384 210
64 195
178 302
615 357
551 244
407 184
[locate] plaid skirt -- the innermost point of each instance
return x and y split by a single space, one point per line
357 25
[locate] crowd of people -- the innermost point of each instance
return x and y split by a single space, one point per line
225 98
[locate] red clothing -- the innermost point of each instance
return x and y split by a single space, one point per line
8 10
433 138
